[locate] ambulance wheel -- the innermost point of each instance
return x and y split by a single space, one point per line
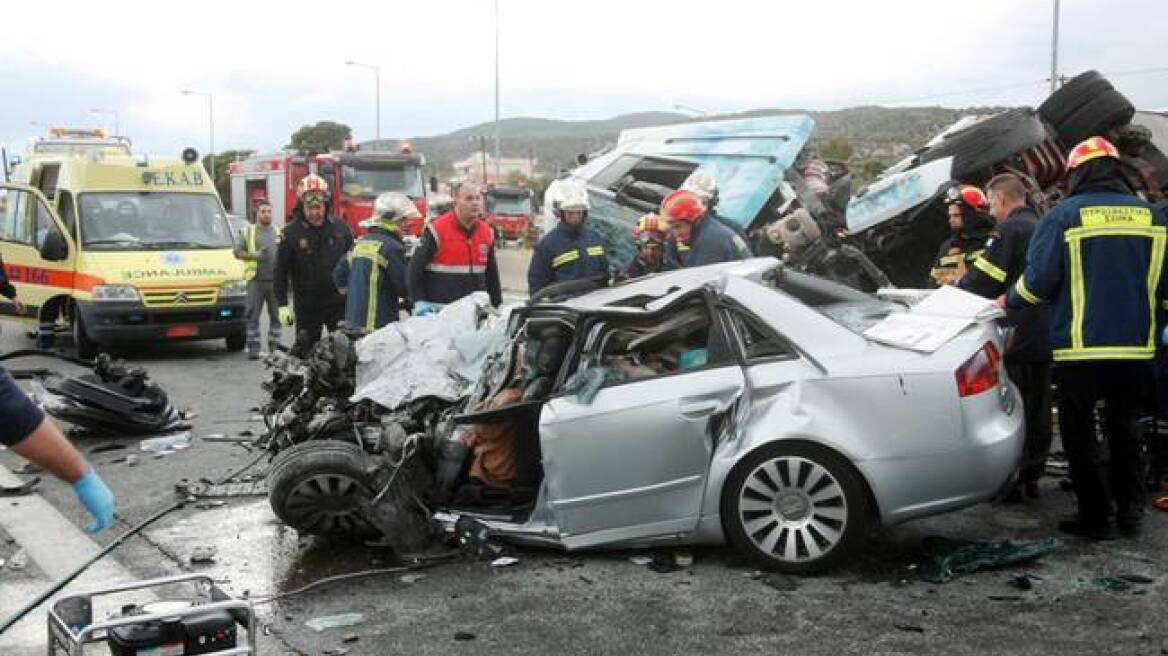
87 349
237 340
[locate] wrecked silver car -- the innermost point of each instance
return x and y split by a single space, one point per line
732 403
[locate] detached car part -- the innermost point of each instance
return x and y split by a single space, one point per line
115 399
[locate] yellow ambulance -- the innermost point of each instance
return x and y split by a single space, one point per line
118 247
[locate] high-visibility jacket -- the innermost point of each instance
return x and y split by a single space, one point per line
451 262
251 267
1098 259
373 276
565 254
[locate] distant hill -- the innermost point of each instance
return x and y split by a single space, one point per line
876 135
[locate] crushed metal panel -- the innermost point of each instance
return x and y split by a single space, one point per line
891 196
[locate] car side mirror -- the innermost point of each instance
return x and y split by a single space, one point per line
434 184
54 248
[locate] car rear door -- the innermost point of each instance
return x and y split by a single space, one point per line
632 463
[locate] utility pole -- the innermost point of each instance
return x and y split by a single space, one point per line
1054 77
377 98
211 119
497 156
483 154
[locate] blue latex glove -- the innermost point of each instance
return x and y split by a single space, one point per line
425 308
1164 336
98 500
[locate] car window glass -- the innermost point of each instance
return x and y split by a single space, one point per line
66 211
44 224
758 341
681 341
17 215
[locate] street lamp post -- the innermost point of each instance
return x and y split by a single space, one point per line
117 123
377 99
211 119
498 161
1054 78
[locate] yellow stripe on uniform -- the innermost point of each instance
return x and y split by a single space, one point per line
371 309
1104 353
990 269
596 250
565 257
1025 292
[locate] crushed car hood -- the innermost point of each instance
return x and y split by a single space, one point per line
438 356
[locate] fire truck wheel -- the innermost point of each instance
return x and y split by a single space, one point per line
237 340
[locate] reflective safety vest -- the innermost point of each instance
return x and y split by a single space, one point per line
251 267
458 252
1097 259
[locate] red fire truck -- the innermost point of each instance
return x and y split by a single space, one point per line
355 177
509 211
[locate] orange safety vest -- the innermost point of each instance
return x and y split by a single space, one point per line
457 251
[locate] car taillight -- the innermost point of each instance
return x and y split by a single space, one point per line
980 372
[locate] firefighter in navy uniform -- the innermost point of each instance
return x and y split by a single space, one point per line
650 235
697 239
456 256
969 227
307 254
1097 259
1027 355
373 275
571 250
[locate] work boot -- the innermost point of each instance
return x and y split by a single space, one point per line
1095 530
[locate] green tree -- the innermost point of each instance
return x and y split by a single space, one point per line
321 138
223 161
838 148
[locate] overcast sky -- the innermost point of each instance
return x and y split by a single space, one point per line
274 66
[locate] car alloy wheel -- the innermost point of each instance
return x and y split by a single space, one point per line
795 506
325 503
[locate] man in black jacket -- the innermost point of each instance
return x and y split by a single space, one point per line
1028 351
308 253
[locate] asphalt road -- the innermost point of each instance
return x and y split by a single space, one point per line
589 603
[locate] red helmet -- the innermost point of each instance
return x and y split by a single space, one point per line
969 195
312 183
1090 149
683 206
650 228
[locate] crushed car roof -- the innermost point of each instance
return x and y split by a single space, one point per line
660 289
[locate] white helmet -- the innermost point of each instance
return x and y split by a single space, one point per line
394 206
702 184
571 196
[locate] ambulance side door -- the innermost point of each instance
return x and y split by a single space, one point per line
38 253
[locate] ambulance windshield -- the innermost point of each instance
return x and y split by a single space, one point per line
132 221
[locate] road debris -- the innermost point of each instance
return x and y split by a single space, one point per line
951 559
1139 579
463 636
165 444
21 490
911 628
203 554
205 490
351 638
780 582
410 579
103 448
208 505
504 561
115 399
640 561
320 624
18 560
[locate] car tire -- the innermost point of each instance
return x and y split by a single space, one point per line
321 487
1068 98
237 340
977 148
1109 109
796 507
87 349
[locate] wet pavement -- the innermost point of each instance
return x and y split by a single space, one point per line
598 602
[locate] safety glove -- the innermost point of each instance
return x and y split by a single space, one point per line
98 500
425 308
285 315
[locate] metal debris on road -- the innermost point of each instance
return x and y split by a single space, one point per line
203 490
18 560
20 490
504 561
102 448
166 443
351 638
640 560
203 554
319 624
220 437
